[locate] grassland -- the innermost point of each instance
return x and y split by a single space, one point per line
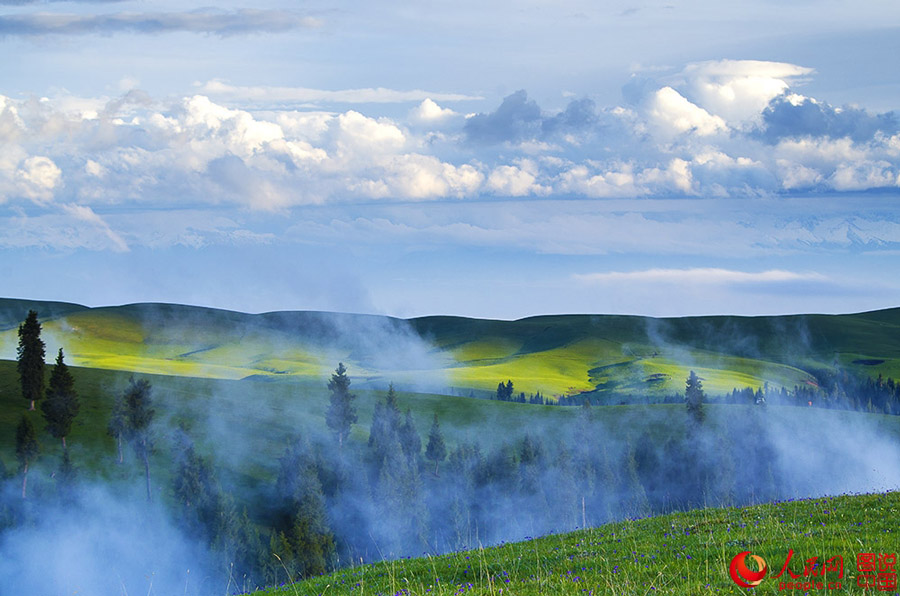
680 554
615 359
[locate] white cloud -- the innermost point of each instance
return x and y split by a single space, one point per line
38 177
705 276
430 112
739 90
517 180
674 114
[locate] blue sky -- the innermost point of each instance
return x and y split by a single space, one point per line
473 158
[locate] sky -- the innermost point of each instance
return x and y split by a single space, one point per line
487 159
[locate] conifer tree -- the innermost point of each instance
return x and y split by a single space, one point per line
410 441
138 414
116 426
305 540
694 397
384 432
435 451
30 359
27 449
341 414
61 404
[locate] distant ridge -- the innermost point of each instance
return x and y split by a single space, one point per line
604 355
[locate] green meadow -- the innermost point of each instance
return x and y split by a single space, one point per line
686 553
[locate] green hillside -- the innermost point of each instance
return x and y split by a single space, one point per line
679 554
608 357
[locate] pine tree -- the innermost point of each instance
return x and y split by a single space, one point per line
694 397
410 441
306 542
384 432
30 356
138 414
27 449
116 425
341 414
61 404
436 450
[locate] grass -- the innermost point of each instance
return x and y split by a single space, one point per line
615 358
680 554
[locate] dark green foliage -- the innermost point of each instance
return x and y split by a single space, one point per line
116 426
436 450
27 449
505 391
61 404
341 414
384 433
244 553
304 540
410 441
694 397
402 519
202 510
137 414
30 357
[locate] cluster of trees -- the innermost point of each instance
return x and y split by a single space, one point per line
59 400
505 392
59 405
840 390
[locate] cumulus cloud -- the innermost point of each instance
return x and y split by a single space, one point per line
37 178
673 114
795 116
738 90
239 22
199 150
430 112
516 180
519 118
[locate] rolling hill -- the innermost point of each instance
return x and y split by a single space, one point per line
607 357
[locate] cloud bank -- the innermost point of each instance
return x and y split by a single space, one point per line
725 129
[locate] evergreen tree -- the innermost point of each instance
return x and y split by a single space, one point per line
305 542
384 432
61 404
435 451
116 425
30 356
341 414
27 449
138 414
410 441
694 398
200 498
245 555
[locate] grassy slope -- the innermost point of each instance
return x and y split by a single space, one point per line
553 354
681 554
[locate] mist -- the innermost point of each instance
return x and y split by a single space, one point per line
246 470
